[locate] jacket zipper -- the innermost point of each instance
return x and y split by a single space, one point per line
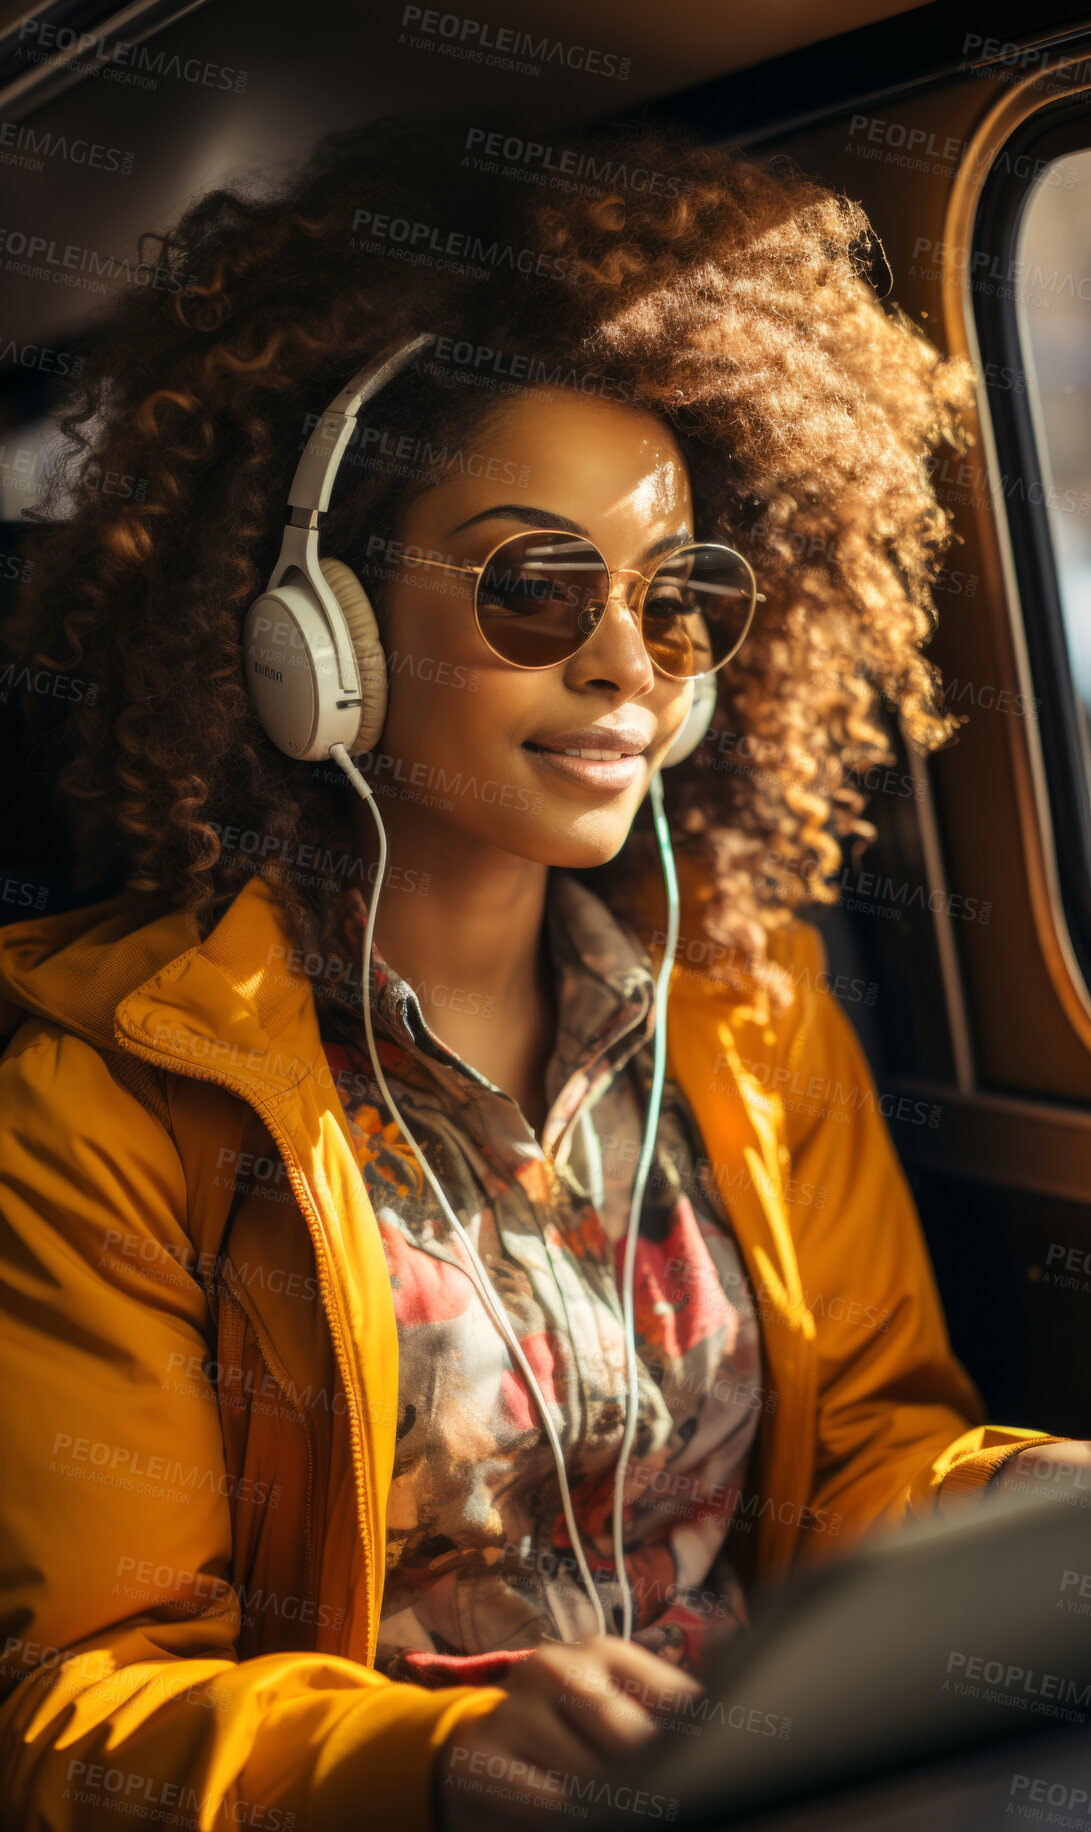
326 1286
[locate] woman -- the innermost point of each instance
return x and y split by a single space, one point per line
318 1557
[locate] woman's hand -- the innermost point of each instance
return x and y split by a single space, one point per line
571 1708
1063 1470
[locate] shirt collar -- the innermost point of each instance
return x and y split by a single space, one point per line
605 999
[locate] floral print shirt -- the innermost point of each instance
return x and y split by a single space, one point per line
479 1562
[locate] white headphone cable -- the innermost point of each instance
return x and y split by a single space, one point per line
651 1127
500 1317
492 1301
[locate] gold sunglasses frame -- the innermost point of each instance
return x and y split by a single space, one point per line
756 597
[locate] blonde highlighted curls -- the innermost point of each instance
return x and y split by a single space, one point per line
728 296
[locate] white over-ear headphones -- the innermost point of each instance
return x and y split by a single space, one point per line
315 669
316 677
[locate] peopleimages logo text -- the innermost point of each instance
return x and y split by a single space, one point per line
477 35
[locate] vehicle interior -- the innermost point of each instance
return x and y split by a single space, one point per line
962 942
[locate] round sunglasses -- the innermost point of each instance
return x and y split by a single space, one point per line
540 595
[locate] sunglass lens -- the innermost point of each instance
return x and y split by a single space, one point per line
697 609
540 597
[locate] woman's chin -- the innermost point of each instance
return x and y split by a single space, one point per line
583 845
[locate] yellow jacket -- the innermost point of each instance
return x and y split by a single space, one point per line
200 1443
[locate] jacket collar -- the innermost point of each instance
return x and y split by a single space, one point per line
73 968
237 1000
237 1007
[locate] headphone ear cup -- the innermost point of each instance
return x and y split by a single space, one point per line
370 660
697 722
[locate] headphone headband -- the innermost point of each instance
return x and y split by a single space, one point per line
325 448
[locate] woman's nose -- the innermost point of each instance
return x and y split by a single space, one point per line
616 651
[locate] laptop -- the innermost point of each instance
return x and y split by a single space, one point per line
937 1638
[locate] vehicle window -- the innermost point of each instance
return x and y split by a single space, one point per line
1053 293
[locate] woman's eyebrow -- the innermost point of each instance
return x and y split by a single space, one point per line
522 512
549 518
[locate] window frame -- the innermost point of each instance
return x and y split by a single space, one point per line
1048 133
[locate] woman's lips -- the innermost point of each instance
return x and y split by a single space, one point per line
616 772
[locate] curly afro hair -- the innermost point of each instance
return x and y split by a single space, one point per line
729 296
